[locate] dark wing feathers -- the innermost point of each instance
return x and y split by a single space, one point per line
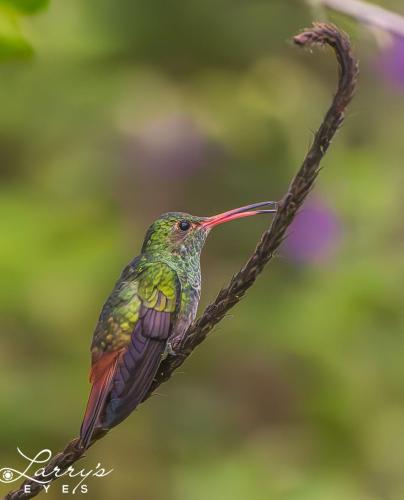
156 324
137 367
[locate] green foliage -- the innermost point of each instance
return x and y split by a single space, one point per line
13 42
26 6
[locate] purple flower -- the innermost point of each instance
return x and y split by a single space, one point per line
170 145
314 234
391 62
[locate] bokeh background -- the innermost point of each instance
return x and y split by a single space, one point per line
112 112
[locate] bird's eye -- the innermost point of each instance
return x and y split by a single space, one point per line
184 225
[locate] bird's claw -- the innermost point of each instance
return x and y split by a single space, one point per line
169 351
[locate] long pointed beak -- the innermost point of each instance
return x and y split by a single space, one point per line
238 213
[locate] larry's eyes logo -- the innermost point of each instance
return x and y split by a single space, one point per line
9 475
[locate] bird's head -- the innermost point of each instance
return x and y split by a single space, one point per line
183 234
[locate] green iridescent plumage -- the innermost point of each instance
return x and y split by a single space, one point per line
153 285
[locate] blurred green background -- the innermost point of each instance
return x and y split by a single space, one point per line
114 112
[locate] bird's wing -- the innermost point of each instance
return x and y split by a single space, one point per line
129 340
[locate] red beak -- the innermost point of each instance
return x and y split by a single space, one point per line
238 213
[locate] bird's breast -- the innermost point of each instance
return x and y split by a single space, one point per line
189 301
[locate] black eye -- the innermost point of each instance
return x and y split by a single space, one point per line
184 225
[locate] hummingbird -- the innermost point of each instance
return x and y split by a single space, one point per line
149 310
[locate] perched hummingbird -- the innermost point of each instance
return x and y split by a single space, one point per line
150 308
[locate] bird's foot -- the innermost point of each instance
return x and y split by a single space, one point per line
169 351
